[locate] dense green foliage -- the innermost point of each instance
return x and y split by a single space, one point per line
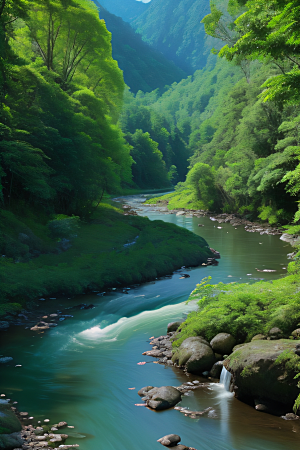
244 310
244 126
67 148
138 114
173 27
143 67
111 250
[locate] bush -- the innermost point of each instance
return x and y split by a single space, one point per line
64 226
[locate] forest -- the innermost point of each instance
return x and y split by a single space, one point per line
238 118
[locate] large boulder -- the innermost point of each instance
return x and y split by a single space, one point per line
223 343
196 354
257 375
162 397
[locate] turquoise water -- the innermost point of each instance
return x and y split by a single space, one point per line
82 370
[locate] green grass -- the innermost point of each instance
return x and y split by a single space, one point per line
183 197
98 258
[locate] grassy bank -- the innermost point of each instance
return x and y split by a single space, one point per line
110 250
245 310
183 197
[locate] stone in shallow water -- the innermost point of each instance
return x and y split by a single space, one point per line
169 440
162 397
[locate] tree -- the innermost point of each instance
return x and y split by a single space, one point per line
270 31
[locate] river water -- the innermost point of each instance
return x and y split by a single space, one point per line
82 370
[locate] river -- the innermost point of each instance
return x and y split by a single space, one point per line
81 371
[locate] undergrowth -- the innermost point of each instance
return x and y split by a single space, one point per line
244 310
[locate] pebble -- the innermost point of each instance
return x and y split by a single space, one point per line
46 420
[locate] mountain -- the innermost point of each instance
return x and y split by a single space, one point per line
144 68
173 27
127 9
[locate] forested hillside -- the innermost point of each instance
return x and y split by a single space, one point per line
67 149
143 67
240 121
173 27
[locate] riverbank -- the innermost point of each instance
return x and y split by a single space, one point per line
165 206
19 430
114 249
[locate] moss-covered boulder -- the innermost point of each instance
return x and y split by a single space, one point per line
265 370
196 354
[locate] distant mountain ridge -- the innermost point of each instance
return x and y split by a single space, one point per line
144 68
173 27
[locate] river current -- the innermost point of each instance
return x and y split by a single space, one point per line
84 370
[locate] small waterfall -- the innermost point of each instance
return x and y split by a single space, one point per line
225 379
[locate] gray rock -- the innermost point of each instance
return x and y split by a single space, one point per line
145 390
275 333
162 397
259 337
296 333
290 416
173 326
216 369
196 354
223 343
169 440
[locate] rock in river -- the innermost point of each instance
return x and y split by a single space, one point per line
196 354
160 397
169 440
257 374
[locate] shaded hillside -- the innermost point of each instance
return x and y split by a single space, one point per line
173 27
127 9
144 68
